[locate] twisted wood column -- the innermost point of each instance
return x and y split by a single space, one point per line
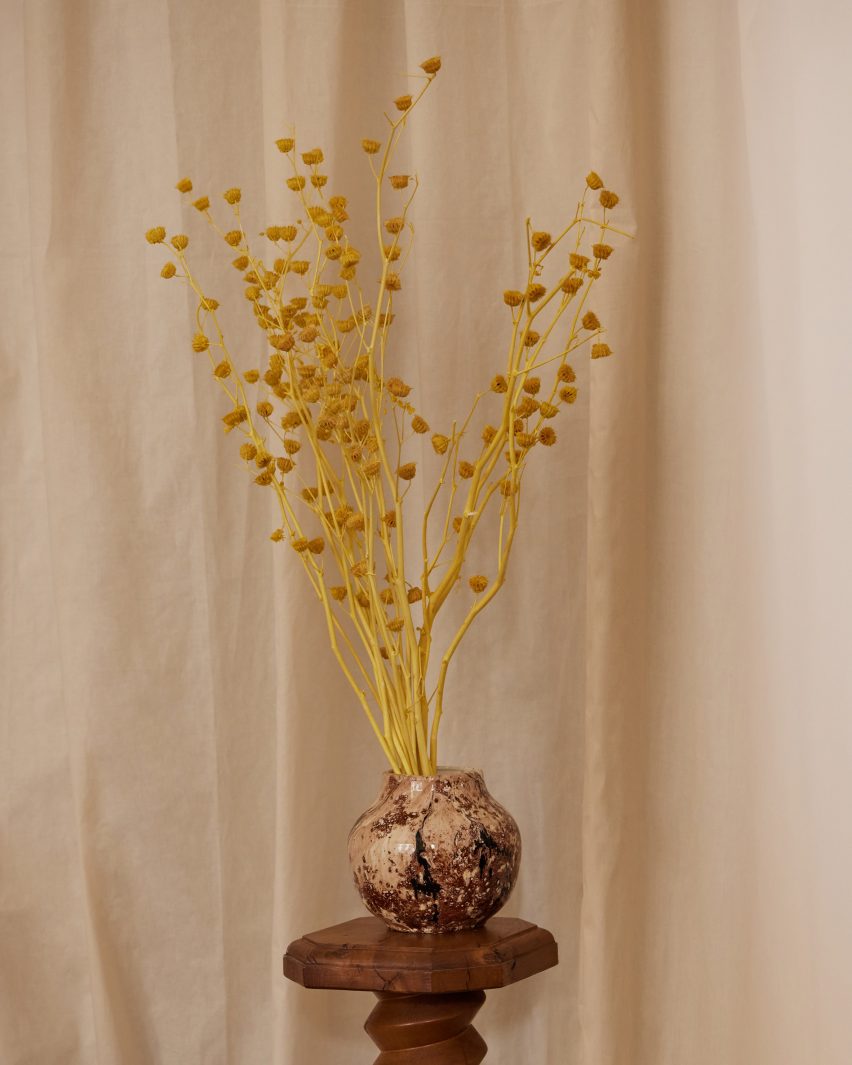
427 1029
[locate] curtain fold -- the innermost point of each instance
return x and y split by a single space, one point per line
660 693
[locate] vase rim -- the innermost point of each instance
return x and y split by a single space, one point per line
444 771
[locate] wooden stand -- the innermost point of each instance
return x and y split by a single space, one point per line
429 987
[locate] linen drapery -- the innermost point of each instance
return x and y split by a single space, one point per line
659 694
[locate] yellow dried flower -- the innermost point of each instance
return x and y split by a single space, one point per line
403 103
478 583
532 385
395 225
531 338
526 407
457 523
370 147
232 196
251 376
282 341
300 266
440 443
241 262
168 270
399 181
208 303
547 436
248 451
513 298
488 434
499 384
309 334
284 464
264 408
466 470
547 410
355 523
263 458
360 568
393 283
602 251
277 535
372 468
287 233
200 342
608 199
432 65
407 471
507 487
338 592
566 373
392 252
222 370
414 595
180 241
300 544
184 185
252 293
156 235
350 257
319 181
313 157
568 393
526 440
600 351
419 425
389 518
397 387
518 425
593 180
264 477
591 321
234 237
295 184
316 546
292 446
386 319
593 273
285 144
291 420
386 595
535 292
201 204
540 240
579 262
396 624
571 284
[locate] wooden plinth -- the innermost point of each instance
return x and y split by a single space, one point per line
429 987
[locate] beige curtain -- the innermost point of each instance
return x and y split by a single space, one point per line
660 695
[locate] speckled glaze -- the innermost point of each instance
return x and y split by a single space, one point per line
435 854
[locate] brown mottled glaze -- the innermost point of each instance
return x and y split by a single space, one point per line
435 854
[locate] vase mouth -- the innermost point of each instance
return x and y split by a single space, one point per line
444 772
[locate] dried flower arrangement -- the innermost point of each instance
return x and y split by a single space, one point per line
316 432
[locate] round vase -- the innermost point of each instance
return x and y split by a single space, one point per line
435 854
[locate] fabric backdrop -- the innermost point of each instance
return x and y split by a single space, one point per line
661 692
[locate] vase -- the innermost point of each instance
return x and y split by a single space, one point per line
435 853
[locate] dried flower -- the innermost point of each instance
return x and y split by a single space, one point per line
395 225
532 385
399 181
300 544
168 270
251 376
355 523
277 535
440 443
466 470
568 393
180 241
370 147
571 284
414 595
284 464
316 546
526 440
579 262
601 251
264 408
392 252
200 342
540 240
292 446
478 583
265 477
184 185
407 471
389 518
419 425
338 592
600 351
397 387
531 338
222 369
488 434
513 298
313 158
295 184
566 373
248 451
156 235
499 384
232 196
201 204
590 320
286 144
608 199
547 436
457 523
547 410
535 292
594 181
403 103
431 66
393 283
241 262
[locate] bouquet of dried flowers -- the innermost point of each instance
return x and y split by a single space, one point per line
325 423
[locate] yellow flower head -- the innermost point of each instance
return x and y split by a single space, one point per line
547 410
407 471
594 181
393 283
531 338
488 434
168 270
156 235
535 292
316 546
568 393
566 373
285 144
397 387
389 518
440 443
370 147
338 592
399 181
532 385
414 595
394 225
547 436
431 65
300 544
232 196
591 321
499 384
600 351
184 185
579 262
201 204
601 251
478 583
541 240
248 451
466 470
180 241
200 342
277 535
403 103
295 183
419 425
313 158
571 284
222 370
607 198
513 298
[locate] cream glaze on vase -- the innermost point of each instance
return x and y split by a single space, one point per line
435 854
